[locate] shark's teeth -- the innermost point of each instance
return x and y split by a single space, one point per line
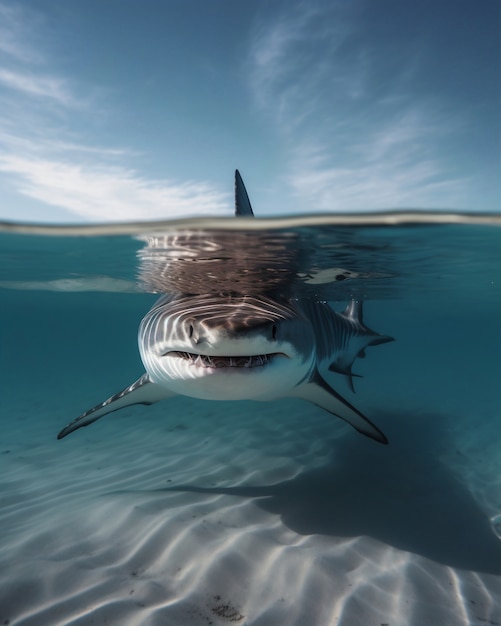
204 360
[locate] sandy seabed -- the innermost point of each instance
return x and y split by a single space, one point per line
191 513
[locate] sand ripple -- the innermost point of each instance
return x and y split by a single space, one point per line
186 523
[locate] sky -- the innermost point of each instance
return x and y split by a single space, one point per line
121 110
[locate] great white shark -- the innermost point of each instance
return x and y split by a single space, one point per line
246 347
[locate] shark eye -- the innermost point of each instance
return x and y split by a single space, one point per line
274 332
190 331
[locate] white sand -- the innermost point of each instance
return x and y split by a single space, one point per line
338 530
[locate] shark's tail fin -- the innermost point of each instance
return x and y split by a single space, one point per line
242 203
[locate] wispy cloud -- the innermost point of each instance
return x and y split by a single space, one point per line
356 136
97 183
16 36
111 193
393 164
42 157
371 185
23 67
93 184
297 65
50 87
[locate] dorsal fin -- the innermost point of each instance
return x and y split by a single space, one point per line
242 203
354 311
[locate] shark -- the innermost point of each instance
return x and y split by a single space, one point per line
234 346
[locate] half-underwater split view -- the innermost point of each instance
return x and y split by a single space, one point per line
250 304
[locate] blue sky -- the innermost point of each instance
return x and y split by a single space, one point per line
119 110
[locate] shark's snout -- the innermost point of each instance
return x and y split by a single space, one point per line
211 338
205 330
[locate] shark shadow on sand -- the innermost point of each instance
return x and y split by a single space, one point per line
401 495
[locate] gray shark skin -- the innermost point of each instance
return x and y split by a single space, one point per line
246 347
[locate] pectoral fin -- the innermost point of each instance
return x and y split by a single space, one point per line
143 391
320 393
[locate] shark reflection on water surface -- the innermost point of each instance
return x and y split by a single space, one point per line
230 327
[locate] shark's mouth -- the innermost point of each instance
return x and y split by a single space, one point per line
204 360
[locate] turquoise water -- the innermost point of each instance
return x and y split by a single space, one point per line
70 310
